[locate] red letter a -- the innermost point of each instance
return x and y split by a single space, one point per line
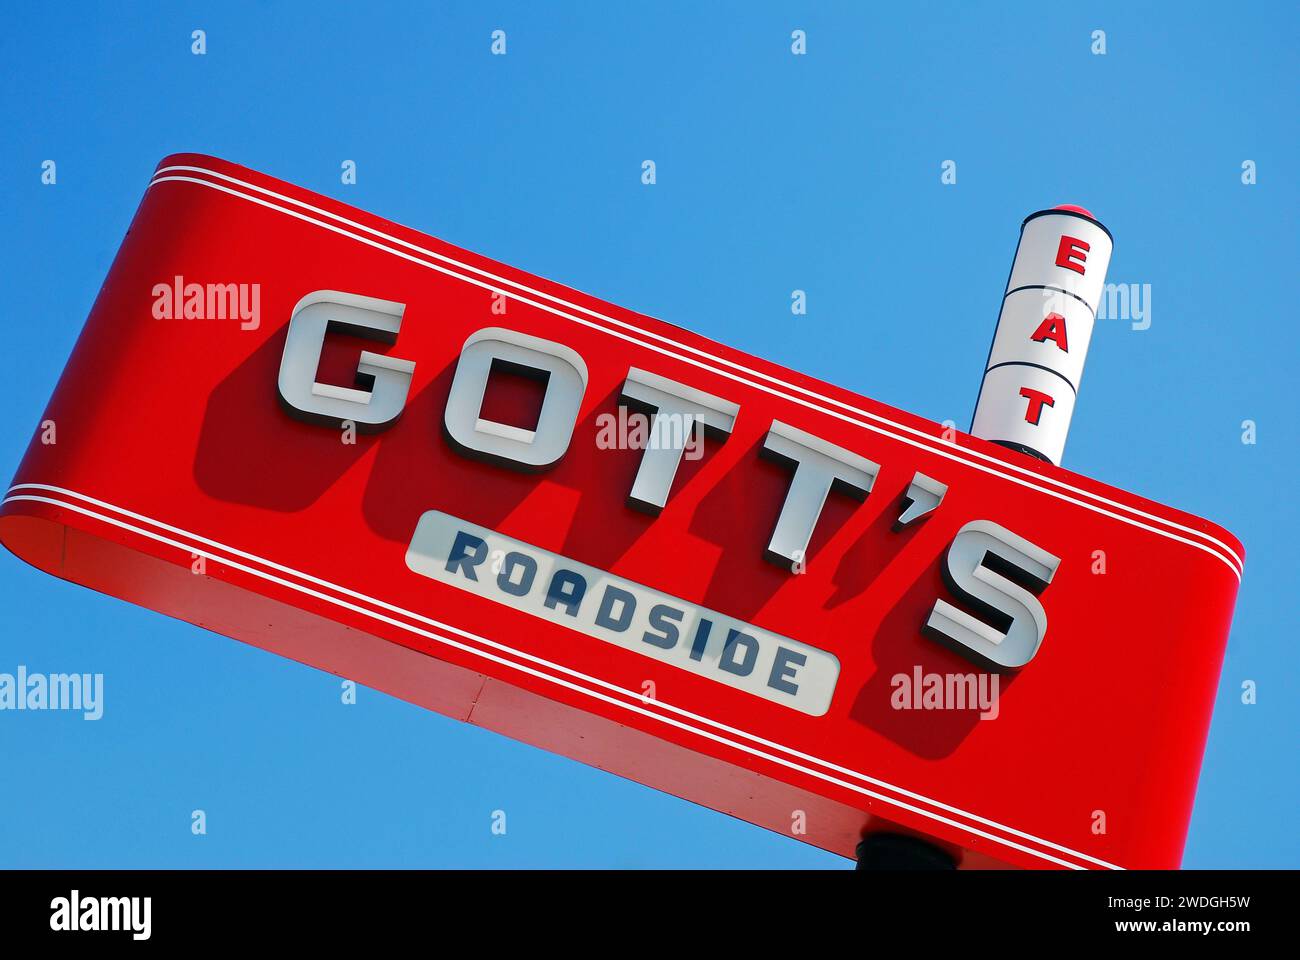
1052 328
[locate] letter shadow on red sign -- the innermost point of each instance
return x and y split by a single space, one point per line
879 545
899 647
738 516
251 451
604 526
424 472
415 470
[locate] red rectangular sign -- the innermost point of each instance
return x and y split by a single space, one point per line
185 464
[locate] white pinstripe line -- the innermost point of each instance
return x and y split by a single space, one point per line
634 707
931 445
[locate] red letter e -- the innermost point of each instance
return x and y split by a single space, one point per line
1070 250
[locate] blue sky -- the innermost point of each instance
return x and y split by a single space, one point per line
775 172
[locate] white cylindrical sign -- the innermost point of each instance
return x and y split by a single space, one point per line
1032 375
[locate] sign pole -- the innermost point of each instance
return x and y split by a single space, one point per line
897 851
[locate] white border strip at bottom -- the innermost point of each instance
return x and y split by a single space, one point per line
579 688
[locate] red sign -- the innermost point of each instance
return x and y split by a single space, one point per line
333 437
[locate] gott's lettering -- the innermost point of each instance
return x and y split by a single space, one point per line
989 568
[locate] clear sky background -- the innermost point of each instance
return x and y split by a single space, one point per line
775 172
